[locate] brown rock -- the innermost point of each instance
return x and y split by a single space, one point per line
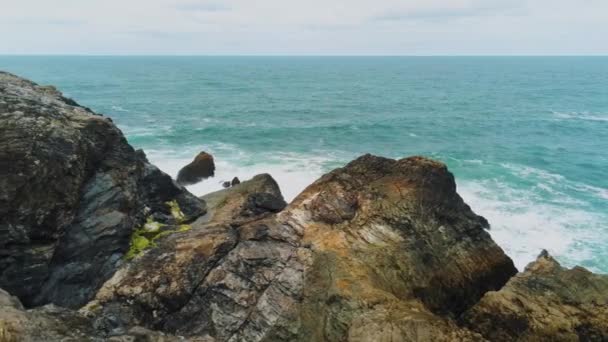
200 168
546 302
379 249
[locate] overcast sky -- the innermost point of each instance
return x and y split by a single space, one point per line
311 27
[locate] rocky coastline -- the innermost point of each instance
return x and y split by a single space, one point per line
97 244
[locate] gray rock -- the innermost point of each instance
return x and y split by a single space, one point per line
72 192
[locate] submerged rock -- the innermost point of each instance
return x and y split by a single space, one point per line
72 192
546 302
200 168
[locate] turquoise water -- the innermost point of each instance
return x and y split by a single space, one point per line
526 137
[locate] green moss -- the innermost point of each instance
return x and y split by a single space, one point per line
184 228
176 211
138 244
145 237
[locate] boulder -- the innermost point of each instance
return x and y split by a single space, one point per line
72 193
244 201
202 167
546 302
376 250
235 181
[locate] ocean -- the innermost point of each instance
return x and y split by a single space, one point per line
526 137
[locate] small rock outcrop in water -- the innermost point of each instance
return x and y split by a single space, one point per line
379 250
545 303
72 192
200 168
235 181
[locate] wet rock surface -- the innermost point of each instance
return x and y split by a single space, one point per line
202 167
379 250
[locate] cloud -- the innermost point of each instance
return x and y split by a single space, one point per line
472 9
304 27
202 7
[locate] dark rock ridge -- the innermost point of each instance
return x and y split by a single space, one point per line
379 250
72 191
200 168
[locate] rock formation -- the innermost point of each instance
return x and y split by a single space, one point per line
72 191
200 168
379 250
377 244
545 303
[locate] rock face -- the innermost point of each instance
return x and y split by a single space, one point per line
379 250
545 303
376 250
200 168
72 191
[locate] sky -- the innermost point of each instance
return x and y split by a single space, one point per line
311 27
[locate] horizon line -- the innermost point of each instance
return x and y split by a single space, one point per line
294 55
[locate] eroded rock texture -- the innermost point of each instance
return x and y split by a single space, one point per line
379 249
72 191
546 302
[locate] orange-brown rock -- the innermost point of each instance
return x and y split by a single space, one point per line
200 168
380 249
546 302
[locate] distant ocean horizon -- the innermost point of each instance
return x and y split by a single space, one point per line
526 137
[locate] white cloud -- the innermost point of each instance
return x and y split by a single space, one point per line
304 27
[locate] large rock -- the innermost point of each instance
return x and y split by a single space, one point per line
72 192
244 201
200 168
53 323
545 303
380 249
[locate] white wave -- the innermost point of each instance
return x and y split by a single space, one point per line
523 225
293 172
555 183
523 222
581 116
119 109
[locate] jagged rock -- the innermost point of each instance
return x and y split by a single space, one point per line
200 168
72 191
235 181
244 201
52 323
47 323
546 302
378 249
